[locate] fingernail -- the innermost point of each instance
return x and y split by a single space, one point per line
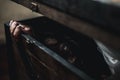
27 28
10 22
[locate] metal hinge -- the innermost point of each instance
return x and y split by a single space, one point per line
34 6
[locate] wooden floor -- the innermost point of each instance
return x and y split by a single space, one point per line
3 63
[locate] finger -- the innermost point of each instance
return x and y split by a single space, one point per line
11 21
21 26
16 31
13 26
26 29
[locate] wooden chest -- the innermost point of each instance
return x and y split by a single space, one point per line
56 52
59 48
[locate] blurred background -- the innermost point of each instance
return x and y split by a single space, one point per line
10 10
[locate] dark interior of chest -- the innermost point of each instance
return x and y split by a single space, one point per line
78 49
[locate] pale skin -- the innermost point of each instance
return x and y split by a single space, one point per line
16 28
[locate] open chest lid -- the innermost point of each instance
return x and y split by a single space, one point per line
98 19
104 13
